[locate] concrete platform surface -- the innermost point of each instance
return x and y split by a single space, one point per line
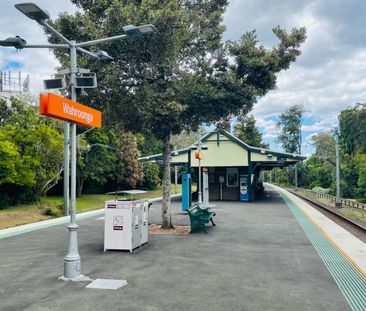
350 245
256 258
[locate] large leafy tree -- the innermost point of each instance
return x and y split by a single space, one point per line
31 152
109 157
321 166
360 160
289 126
96 158
247 131
324 144
182 76
352 125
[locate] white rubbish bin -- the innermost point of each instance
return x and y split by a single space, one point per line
126 221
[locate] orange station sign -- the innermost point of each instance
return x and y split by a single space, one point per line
198 155
62 108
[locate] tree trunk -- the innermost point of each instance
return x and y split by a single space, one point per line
50 183
80 187
165 209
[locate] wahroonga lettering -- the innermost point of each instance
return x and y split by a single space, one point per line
77 113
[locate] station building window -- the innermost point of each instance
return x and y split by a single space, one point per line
232 177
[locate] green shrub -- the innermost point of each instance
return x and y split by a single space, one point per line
54 211
151 179
321 190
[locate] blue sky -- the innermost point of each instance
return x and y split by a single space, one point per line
12 65
329 76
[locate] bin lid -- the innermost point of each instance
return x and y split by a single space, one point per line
135 191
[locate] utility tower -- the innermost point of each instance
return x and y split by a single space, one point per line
13 83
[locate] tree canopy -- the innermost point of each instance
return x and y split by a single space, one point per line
352 126
247 131
181 77
289 126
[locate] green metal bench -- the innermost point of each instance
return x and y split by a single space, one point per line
199 217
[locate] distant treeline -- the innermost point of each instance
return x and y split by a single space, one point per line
319 169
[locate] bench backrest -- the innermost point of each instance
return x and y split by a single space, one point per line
194 210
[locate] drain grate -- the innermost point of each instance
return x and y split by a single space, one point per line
350 282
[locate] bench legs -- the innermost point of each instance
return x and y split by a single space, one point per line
202 226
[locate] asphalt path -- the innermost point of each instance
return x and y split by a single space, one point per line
256 258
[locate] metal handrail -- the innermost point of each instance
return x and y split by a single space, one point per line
344 202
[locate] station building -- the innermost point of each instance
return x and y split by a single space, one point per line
233 167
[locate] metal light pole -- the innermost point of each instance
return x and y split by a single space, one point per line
176 178
296 175
300 143
338 202
199 149
72 261
199 174
199 183
66 168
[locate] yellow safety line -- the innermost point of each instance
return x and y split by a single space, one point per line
343 253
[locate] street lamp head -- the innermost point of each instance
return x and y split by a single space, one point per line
16 42
132 30
102 55
33 11
146 29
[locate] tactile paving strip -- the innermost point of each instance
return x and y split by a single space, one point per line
349 281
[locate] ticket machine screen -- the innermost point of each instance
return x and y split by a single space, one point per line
243 184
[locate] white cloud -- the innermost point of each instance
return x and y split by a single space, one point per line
330 74
269 136
309 137
323 91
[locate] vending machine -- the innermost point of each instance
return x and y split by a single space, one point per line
244 194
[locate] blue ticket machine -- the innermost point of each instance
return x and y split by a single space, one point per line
243 182
186 191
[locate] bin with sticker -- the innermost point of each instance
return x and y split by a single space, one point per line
126 225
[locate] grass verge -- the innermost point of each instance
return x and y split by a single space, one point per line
351 212
52 207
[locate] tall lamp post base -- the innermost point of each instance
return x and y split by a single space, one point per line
80 278
338 204
72 263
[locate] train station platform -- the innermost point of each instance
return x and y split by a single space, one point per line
260 256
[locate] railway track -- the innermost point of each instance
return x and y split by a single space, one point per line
356 228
